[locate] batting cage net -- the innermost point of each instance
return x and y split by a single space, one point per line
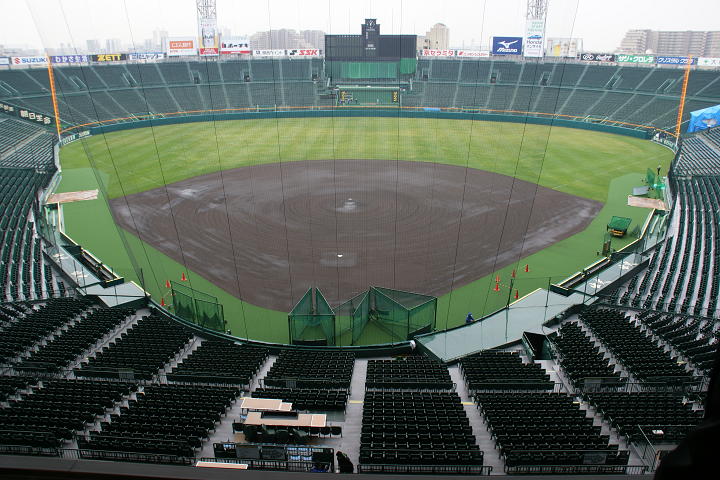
312 320
197 307
378 315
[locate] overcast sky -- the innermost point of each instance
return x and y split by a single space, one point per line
601 24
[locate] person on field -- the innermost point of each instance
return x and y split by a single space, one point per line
469 319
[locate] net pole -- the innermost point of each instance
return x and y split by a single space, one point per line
681 107
56 111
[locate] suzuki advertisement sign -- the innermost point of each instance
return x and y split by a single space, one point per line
534 37
237 46
507 46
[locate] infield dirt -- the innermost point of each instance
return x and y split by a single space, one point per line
266 233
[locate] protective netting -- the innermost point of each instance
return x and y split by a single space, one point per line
198 307
312 320
379 315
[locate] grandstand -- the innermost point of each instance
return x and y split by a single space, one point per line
620 377
96 93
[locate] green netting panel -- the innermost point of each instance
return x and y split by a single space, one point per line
422 317
300 316
197 307
312 319
360 318
389 315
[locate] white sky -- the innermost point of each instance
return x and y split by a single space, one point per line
601 24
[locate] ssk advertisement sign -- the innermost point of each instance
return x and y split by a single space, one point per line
304 52
507 46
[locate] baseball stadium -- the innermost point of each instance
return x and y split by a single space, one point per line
404 261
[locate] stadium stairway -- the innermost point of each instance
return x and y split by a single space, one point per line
224 431
477 422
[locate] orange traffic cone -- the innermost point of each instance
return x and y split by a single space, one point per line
167 283
183 277
162 301
513 273
527 268
517 294
497 278
497 287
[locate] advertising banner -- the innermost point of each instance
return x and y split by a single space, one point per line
534 37
675 60
596 57
269 53
25 113
622 58
69 59
109 57
178 46
150 57
28 61
472 53
563 47
708 62
75 136
437 53
235 45
4 60
507 45
304 52
209 45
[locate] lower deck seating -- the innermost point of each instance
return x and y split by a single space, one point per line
314 399
533 429
500 370
217 361
164 419
56 411
140 351
638 352
415 371
417 428
653 411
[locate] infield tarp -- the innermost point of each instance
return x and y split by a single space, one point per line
704 119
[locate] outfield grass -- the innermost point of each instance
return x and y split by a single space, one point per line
594 165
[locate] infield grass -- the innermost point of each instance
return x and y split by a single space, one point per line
595 165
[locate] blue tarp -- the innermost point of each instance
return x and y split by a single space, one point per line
704 119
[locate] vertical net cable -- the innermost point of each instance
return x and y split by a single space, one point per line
224 193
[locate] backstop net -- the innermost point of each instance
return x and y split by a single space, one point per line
312 320
197 307
384 315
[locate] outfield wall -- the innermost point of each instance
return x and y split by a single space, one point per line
390 112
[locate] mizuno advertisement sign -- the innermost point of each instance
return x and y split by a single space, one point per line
507 45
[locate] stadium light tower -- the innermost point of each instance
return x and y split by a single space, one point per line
536 9
206 8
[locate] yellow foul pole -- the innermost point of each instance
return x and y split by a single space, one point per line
51 77
681 108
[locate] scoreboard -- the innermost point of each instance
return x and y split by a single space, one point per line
368 96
